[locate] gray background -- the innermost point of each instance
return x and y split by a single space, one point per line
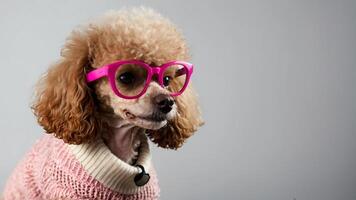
276 81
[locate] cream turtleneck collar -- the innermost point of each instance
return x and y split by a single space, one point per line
102 164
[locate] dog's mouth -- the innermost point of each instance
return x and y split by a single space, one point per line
155 117
153 121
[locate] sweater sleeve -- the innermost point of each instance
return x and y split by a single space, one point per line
14 188
22 182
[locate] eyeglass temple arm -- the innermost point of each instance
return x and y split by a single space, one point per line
181 72
96 74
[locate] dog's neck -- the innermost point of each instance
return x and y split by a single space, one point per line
123 138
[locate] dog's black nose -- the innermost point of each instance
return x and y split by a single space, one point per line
164 103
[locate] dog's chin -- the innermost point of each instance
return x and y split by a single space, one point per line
148 124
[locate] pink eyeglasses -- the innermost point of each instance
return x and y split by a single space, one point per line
129 79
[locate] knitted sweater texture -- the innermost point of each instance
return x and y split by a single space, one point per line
55 170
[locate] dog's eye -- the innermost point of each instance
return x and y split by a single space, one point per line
127 78
166 80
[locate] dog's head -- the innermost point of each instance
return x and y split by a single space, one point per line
69 107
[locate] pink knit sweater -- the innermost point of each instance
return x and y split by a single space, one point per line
55 170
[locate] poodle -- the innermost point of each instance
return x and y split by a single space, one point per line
120 80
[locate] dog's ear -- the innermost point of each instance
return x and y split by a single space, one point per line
181 127
64 104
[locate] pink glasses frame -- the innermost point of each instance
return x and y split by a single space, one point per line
110 69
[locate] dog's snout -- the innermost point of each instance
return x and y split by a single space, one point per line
164 103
